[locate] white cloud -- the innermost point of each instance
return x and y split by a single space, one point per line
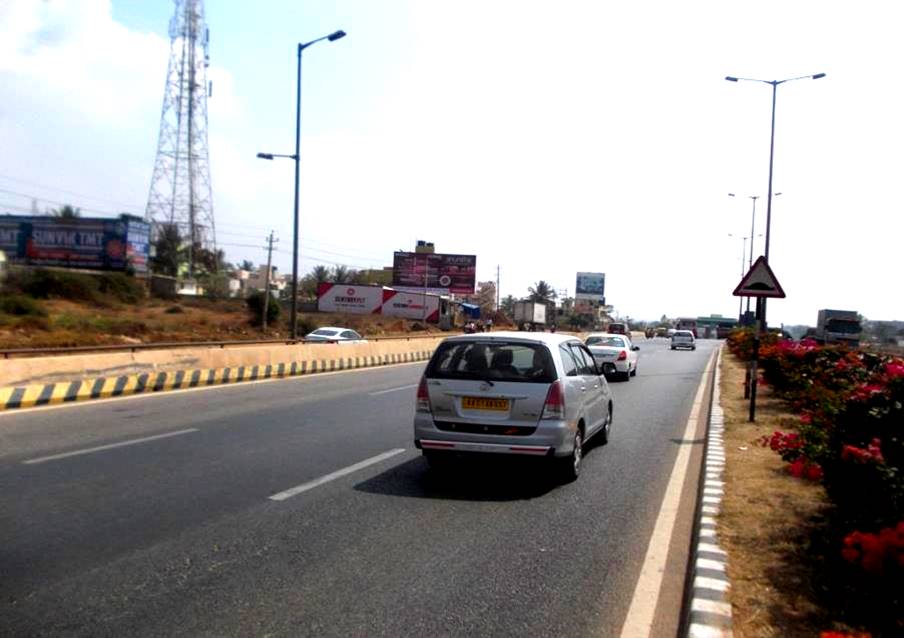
547 138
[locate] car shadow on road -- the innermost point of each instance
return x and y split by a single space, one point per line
465 479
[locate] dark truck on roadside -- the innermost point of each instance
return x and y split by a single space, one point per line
837 327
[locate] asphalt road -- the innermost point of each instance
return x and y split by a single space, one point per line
178 535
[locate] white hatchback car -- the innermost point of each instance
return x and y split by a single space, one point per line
614 354
684 339
534 394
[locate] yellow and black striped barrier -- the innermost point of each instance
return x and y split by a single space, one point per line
29 396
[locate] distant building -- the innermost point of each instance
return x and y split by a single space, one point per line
244 282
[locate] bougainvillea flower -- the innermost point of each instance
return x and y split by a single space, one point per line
895 369
866 391
814 472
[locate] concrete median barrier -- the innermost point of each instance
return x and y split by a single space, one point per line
61 379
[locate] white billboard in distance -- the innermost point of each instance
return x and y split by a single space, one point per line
359 300
410 305
591 286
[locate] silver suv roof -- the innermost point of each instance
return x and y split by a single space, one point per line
548 338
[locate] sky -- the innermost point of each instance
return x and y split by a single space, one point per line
544 138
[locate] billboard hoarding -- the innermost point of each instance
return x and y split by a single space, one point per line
410 305
377 300
591 286
452 273
359 300
92 243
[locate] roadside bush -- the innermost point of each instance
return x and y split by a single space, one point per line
851 437
740 342
34 323
98 289
255 303
121 287
216 287
47 284
21 305
305 325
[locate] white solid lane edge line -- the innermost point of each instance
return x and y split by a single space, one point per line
404 387
100 448
304 487
641 613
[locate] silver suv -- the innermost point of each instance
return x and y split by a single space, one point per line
534 394
683 339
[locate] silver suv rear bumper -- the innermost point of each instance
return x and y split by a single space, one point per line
492 448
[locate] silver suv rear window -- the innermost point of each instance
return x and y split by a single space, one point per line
520 362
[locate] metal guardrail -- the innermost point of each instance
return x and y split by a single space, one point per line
135 347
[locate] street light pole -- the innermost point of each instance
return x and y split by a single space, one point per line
753 234
293 329
743 255
426 272
774 84
761 301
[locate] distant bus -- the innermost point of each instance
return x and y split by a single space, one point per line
687 324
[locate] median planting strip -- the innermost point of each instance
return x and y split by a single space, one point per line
27 396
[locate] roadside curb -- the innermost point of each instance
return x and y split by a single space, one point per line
710 610
28 396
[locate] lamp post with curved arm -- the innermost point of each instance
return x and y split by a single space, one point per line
336 35
761 301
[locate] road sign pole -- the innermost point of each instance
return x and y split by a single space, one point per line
755 357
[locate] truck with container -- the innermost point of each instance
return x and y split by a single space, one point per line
839 327
530 315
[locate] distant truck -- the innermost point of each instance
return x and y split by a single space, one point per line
530 315
837 327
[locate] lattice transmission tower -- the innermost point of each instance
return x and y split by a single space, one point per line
180 191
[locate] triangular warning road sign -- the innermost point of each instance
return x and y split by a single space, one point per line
759 281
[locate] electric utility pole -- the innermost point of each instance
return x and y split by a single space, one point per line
497 288
270 242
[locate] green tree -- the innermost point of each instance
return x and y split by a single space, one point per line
341 274
246 264
171 254
206 261
255 304
66 212
542 291
307 285
508 305
320 273
486 298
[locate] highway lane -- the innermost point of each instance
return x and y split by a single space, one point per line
178 535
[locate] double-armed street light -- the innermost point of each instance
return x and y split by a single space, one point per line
743 270
774 84
761 301
336 35
752 223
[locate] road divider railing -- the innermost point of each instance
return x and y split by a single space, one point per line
213 367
